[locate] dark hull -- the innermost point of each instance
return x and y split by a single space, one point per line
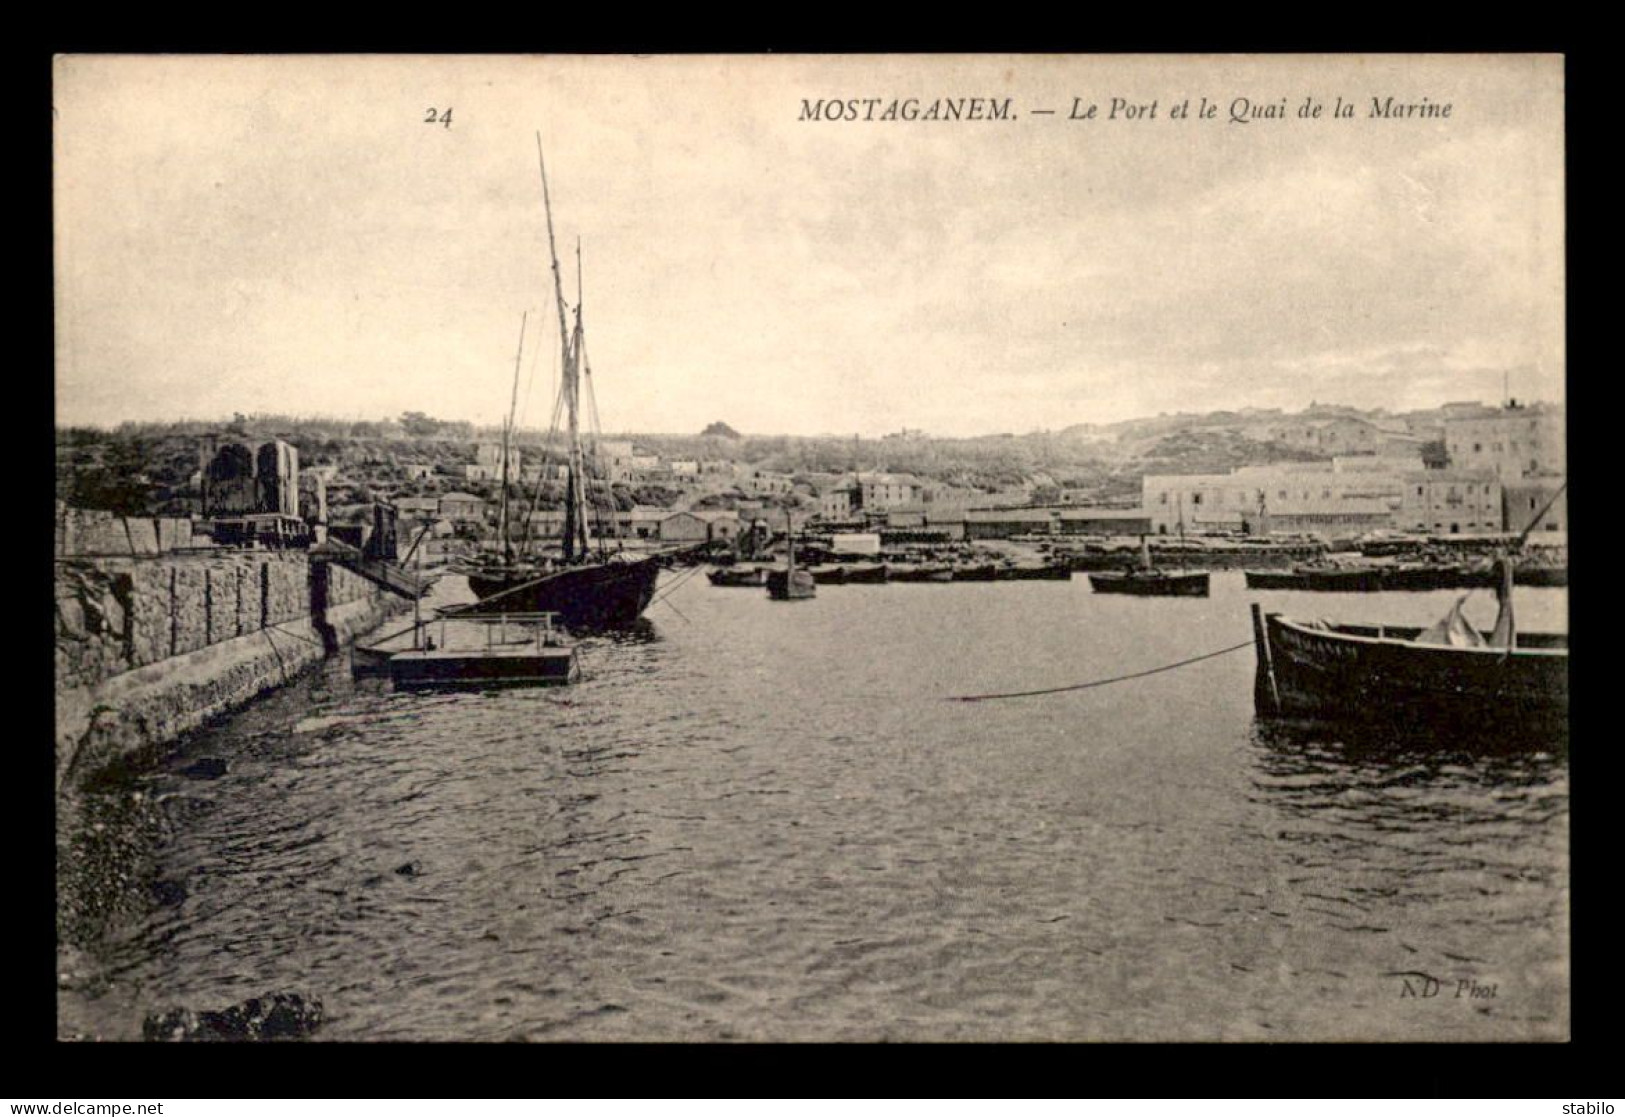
1345 581
783 585
1436 578
1400 578
726 577
1151 585
1541 576
478 670
1367 672
1325 581
1054 572
923 574
985 573
601 595
1275 580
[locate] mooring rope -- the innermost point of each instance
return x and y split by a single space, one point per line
663 594
1102 682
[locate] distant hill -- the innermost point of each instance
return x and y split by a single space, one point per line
145 468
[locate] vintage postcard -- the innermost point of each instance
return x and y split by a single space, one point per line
811 548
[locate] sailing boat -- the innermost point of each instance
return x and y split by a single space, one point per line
1148 581
586 587
792 583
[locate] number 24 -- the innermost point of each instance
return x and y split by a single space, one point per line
441 118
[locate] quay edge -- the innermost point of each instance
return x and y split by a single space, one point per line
148 649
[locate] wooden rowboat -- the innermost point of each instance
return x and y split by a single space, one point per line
1152 583
1494 685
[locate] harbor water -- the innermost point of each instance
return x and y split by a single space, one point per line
759 820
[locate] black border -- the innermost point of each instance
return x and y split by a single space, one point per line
48 1070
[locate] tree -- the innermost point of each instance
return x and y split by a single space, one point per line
719 429
419 425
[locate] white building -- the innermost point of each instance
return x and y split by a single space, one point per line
1513 442
1302 496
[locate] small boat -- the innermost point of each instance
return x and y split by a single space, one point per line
369 662
1321 578
833 575
1544 576
979 572
922 573
1275 580
738 576
867 574
1447 676
1147 581
1152 583
793 583
1050 571
519 649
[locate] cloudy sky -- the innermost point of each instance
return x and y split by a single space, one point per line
289 235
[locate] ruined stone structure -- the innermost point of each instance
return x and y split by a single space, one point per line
239 481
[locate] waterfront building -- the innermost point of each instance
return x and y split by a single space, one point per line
1522 499
950 522
723 524
1451 502
1104 521
1514 441
1300 496
1001 523
840 502
462 508
882 491
683 527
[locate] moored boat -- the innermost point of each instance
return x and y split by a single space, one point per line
792 583
1050 571
738 576
587 587
1146 580
921 573
1152 583
1545 576
1447 677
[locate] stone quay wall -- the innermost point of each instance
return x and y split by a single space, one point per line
85 531
150 648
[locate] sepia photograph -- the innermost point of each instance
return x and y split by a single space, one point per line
801 548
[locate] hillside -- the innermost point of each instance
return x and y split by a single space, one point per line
149 468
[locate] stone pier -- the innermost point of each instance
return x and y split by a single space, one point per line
148 648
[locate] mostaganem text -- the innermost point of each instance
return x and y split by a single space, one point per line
907 108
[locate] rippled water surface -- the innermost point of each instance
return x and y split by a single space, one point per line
761 820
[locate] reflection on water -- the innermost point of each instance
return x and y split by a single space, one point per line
758 820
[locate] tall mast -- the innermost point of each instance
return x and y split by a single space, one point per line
507 435
584 370
575 527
